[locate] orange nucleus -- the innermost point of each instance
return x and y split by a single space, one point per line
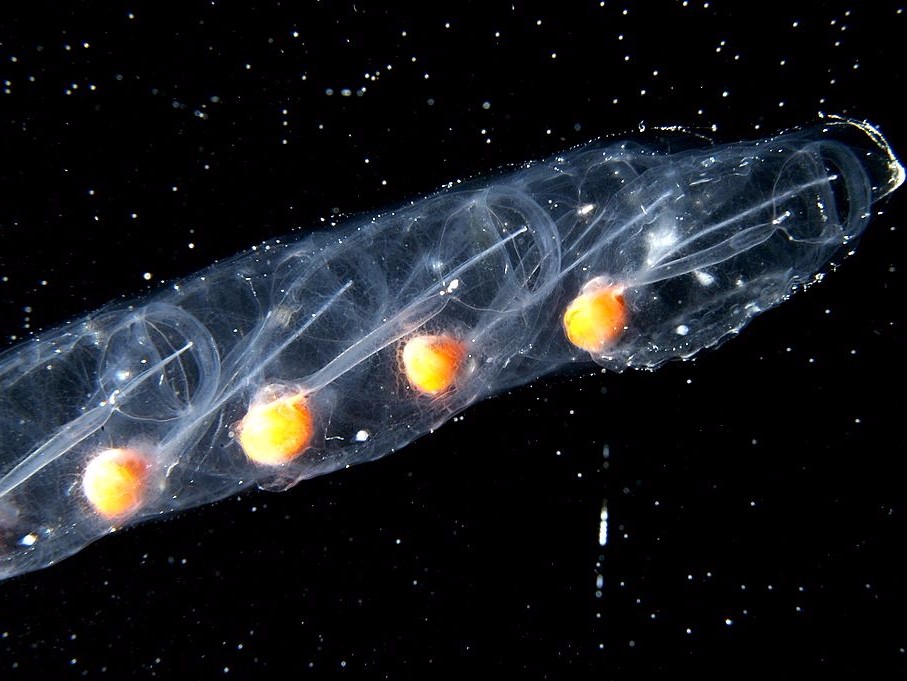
432 362
597 317
276 432
115 482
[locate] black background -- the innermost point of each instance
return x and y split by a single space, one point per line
756 496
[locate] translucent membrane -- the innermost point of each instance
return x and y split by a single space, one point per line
305 355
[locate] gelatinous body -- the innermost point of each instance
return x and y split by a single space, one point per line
305 355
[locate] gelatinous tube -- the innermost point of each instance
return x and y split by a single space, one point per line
305 355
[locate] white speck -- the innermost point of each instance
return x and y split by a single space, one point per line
586 209
704 278
29 540
362 436
682 330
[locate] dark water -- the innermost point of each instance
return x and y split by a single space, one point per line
755 497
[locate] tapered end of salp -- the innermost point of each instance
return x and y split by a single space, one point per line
883 169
